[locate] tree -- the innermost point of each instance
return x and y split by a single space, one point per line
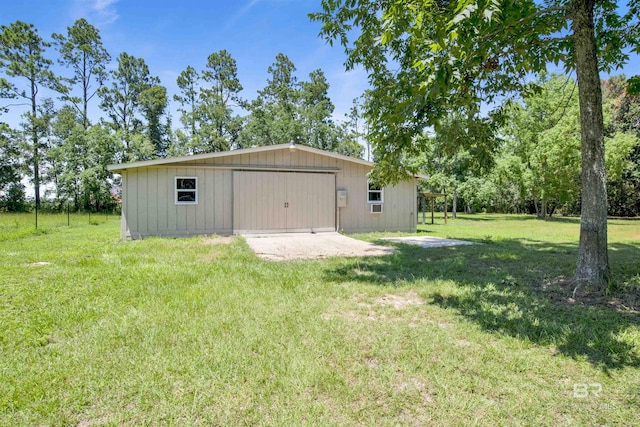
508 176
121 101
188 83
347 141
68 155
40 125
11 189
468 53
82 51
467 145
622 105
22 59
315 113
153 103
356 126
9 157
622 109
544 133
274 116
219 127
96 181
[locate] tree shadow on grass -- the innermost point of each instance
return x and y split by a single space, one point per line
520 217
564 219
514 287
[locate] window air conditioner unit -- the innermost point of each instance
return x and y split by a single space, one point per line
375 208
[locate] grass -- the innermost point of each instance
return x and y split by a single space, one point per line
199 331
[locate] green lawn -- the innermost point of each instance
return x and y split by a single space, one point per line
196 331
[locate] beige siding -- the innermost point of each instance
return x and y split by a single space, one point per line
398 209
124 228
283 202
149 207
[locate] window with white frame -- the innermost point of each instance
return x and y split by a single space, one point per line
186 190
375 197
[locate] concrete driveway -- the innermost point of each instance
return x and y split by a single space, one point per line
426 241
282 247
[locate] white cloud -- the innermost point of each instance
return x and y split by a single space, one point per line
245 9
97 12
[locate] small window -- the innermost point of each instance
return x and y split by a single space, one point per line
186 190
375 194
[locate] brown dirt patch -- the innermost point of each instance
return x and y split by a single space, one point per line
377 309
413 386
39 263
90 423
400 301
568 292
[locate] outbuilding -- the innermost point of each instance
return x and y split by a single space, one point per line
271 189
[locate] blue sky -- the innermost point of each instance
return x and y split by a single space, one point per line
170 35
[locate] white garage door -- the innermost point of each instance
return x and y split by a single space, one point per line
276 202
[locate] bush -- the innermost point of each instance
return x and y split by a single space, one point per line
13 199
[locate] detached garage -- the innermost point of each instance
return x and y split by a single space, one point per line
273 189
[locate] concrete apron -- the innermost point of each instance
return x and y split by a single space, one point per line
288 246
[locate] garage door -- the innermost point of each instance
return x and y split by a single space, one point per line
276 202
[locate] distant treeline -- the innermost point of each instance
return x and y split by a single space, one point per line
531 163
59 147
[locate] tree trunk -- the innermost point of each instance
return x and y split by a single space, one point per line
454 207
543 207
85 92
593 263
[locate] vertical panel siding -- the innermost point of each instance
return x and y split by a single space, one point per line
152 202
209 202
398 210
132 188
181 210
150 209
142 202
163 192
172 208
218 202
227 197
124 226
260 197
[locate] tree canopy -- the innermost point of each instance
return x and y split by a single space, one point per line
66 151
428 59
